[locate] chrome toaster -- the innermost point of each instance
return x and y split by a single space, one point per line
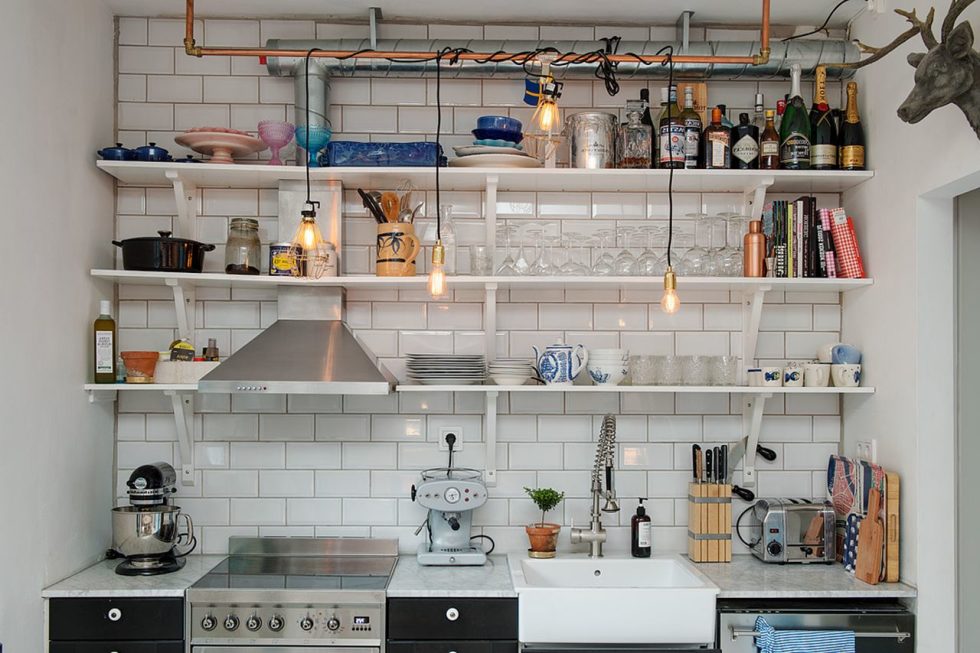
794 530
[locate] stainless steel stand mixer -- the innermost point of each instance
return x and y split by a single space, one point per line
451 494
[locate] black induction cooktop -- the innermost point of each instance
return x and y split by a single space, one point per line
299 572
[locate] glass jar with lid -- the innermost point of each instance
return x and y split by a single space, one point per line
243 250
635 141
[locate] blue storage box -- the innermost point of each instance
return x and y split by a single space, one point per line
356 154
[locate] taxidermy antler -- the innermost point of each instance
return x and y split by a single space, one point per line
948 73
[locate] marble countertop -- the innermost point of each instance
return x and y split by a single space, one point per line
101 580
413 580
746 577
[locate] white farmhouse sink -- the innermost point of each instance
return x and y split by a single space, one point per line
574 599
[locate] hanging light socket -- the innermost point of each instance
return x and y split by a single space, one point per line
437 273
670 303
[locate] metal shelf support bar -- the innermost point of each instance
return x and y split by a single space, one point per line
752 302
185 303
185 193
752 409
490 439
183 407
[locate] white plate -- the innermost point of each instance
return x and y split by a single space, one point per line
495 161
471 150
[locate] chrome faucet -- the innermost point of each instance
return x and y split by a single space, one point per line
605 457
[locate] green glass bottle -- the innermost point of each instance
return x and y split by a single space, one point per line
794 130
823 148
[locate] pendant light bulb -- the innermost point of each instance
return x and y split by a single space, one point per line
437 273
670 303
547 115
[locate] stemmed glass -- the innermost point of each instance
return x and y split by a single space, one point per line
571 267
603 266
521 263
506 267
690 262
540 266
648 263
737 225
624 265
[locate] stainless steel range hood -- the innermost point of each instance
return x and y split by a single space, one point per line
306 357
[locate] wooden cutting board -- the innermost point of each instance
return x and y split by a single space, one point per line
871 540
891 527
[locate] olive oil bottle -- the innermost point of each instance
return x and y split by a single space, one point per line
104 338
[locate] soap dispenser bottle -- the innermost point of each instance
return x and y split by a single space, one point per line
641 533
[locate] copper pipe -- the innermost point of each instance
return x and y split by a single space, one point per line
192 49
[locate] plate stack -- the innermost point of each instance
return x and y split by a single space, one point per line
511 371
447 369
498 143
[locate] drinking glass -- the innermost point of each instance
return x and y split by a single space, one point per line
649 263
480 263
641 369
506 267
521 264
724 370
673 370
603 266
695 370
657 365
573 248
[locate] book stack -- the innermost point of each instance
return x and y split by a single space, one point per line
804 241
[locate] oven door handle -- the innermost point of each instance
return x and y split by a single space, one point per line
901 636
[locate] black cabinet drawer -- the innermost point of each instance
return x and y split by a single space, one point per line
455 619
116 619
451 646
116 647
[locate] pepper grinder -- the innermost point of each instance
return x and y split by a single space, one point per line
754 248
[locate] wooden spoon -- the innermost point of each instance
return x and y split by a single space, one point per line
389 205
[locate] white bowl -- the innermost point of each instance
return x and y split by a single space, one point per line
607 373
504 379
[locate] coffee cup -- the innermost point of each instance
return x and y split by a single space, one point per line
397 249
825 353
793 375
845 355
816 375
772 377
754 376
846 375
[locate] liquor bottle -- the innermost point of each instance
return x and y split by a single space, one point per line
647 120
852 133
794 131
769 144
692 130
759 117
780 110
635 141
672 137
725 122
745 144
104 337
717 143
823 147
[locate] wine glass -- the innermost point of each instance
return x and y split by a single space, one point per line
603 263
506 267
624 265
648 263
276 134
571 267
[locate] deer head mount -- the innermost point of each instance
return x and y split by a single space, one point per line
948 73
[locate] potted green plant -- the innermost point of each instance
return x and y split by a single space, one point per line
543 536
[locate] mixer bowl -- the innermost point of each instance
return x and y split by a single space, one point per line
140 531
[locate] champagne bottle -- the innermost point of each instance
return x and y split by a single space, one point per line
769 144
852 133
794 131
823 148
692 130
647 120
104 337
672 136
717 143
745 144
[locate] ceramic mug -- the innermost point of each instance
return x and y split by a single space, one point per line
754 376
607 372
772 377
825 353
793 375
816 375
397 249
845 355
846 376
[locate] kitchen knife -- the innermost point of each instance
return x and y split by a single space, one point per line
716 454
723 463
696 462
372 206
738 450
707 465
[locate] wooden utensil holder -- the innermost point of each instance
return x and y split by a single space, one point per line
709 522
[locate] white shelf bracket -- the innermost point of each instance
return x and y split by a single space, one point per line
490 439
183 407
753 406
185 193
490 214
752 302
754 198
185 303
101 396
490 322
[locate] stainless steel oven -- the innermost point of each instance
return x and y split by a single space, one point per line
280 649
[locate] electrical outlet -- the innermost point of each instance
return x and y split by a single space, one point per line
455 430
864 450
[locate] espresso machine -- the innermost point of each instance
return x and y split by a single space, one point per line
146 532
451 494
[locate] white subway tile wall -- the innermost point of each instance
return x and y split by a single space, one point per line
344 465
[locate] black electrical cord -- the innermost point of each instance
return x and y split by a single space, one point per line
493 545
738 523
819 29
669 62
306 148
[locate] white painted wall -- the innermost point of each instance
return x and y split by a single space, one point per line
57 216
904 324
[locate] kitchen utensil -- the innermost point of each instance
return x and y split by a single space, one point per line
505 123
607 372
140 365
845 376
892 531
243 251
151 152
372 206
163 253
559 364
794 530
716 454
313 140
389 206
593 139
696 462
871 539
398 248
117 153
495 161
276 134
223 147
723 463
498 134
415 211
436 369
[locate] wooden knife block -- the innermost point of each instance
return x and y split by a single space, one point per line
709 522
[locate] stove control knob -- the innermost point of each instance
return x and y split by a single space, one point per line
775 548
333 623
253 623
209 623
276 623
306 623
231 622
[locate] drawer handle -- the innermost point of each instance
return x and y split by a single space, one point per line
114 614
452 614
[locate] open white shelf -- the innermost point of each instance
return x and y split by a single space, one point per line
640 389
169 387
217 279
215 175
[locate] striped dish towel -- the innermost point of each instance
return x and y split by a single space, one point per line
770 640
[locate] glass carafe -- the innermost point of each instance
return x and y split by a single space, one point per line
243 250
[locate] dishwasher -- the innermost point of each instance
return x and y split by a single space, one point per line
879 626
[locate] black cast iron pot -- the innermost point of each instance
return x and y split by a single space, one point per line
163 253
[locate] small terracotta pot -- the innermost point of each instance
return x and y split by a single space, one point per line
140 365
543 537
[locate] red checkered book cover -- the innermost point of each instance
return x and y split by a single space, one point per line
849 264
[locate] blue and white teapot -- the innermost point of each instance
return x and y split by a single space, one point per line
559 364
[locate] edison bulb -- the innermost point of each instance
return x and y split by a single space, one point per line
437 275
670 303
308 235
547 115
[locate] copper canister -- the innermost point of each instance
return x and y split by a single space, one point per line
754 250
